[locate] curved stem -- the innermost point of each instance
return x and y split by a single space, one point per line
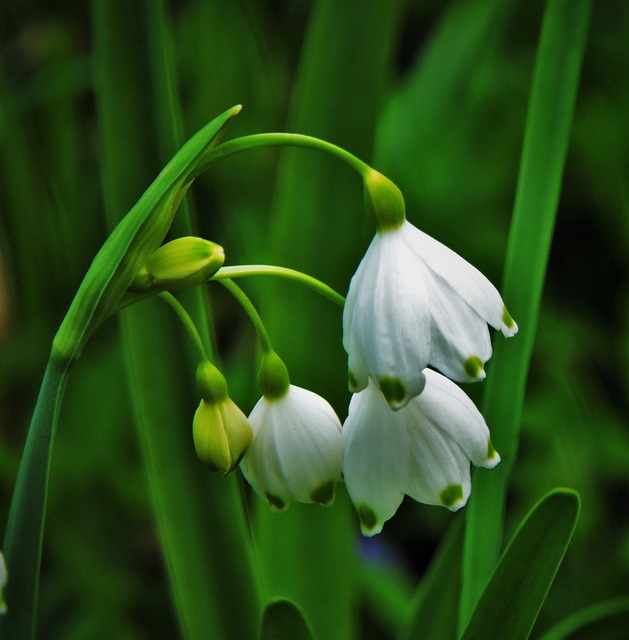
280 139
244 270
186 321
252 312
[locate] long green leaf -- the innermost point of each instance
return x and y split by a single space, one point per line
200 519
282 620
25 527
551 106
514 596
308 552
608 619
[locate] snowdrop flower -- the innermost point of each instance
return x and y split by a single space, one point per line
296 449
423 450
3 582
412 303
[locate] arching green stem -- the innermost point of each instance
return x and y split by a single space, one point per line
186 321
252 312
255 141
242 271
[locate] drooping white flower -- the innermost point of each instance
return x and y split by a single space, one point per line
423 450
296 449
412 303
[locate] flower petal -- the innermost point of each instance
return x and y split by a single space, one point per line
467 281
374 459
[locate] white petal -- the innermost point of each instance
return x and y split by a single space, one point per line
387 306
447 408
468 282
374 459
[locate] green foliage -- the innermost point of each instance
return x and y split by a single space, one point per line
282 620
94 101
517 589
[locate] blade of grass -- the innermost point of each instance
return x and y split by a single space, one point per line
551 105
516 592
24 535
308 552
200 518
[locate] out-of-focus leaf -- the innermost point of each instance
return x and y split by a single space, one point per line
431 613
516 592
282 620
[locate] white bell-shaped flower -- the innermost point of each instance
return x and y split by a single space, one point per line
423 450
296 449
412 303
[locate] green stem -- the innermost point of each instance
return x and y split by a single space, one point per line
25 527
186 321
243 271
258 140
252 312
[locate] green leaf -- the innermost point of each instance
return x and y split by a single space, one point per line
516 592
139 233
282 620
549 120
432 613
24 535
608 619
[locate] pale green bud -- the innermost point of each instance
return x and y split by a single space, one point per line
179 264
384 200
273 377
221 433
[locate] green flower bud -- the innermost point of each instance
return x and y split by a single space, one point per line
221 433
211 382
384 200
181 263
273 377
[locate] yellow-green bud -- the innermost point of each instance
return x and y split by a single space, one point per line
384 200
222 434
273 377
211 382
179 264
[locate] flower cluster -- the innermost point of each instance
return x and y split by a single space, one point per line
415 322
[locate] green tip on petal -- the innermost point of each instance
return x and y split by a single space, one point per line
507 319
491 452
324 494
351 381
274 501
393 391
367 517
474 367
452 494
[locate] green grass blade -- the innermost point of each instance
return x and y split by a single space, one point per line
282 620
608 619
199 516
431 613
23 538
308 553
514 596
551 106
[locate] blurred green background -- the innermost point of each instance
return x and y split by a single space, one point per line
434 95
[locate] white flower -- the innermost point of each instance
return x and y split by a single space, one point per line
3 582
296 449
423 450
412 303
